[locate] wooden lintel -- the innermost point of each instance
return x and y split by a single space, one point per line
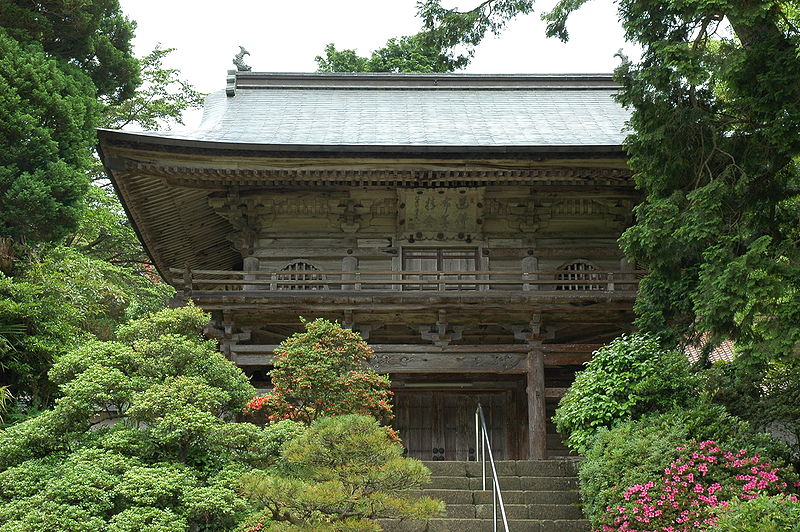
298 308
388 300
566 359
446 361
608 252
556 393
570 348
449 362
555 349
422 348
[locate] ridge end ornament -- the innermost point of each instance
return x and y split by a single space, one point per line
238 60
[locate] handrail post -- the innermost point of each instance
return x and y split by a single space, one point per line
610 281
477 428
440 275
494 506
483 460
273 284
357 286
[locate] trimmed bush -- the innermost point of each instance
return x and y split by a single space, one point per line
631 377
345 471
765 514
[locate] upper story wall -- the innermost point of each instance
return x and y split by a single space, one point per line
378 229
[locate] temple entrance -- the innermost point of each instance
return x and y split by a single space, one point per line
440 424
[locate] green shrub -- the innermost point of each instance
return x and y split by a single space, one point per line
764 514
345 470
693 489
631 377
636 452
170 462
766 393
279 433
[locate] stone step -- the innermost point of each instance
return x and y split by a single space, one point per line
529 497
516 511
506 468
509 497
484 525
484 511
506 483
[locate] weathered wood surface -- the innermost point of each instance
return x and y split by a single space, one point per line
510 359
335 301
537 416
440 425
240 273
381 248
426 348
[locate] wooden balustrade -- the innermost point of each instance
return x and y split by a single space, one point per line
365 281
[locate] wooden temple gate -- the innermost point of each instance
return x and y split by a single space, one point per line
465 225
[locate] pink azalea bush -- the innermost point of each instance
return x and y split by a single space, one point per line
695 487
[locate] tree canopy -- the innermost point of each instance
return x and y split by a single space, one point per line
47 115
93 35
421 52
160 100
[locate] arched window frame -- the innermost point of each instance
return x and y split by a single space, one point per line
307 273
579 270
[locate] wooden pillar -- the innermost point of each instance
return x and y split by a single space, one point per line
537 414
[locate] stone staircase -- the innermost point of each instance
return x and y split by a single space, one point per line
539 496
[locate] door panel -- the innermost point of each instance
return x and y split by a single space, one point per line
441 425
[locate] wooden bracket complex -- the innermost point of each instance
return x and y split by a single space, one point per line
440 335
532 332
349 323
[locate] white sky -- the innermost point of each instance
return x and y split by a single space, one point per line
285 36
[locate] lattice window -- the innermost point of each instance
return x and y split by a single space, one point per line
300 270
580 270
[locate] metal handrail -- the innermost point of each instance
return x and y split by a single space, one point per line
485 444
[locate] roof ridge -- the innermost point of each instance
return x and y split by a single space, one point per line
387 80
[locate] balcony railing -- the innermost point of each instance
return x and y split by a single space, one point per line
558 281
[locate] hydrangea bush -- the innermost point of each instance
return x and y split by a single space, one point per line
695 487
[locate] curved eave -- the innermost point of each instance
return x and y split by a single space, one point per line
162 143
150 205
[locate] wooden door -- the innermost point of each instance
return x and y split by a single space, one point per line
440 425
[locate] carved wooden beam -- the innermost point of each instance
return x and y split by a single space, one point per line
449 359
